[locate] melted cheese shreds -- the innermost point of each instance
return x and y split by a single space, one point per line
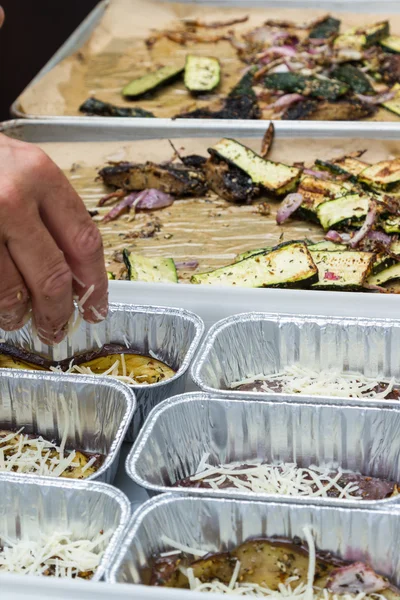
295 379
111 372
286 479
57 554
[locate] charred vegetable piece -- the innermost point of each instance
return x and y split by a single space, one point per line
347 210
229 182
325 29
316 87
143 369
364 37
391 43
14 357
92 106
377 32
154 270
389 274
345 165
354 78
394 104
176 180
384 175
287 265
151 81
275 177
343 270
314 192
202 73
341 110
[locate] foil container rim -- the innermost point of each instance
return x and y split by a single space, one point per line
134 456
147 507
94 486
92 380
212 334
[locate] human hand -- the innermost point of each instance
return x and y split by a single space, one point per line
1 16
50 249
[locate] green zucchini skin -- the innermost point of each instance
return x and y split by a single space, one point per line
391 273
391 43
394 104
347 210
316 87
325 29
354 78
202 73
249 253
92 106
342 270
151 270
151 81
287 265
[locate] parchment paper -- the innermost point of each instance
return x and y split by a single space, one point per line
209 229
116 53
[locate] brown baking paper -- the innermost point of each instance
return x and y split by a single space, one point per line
116 53
208 230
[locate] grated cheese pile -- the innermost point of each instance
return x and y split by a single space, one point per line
303 591
295 379
113 371
55 555
286 479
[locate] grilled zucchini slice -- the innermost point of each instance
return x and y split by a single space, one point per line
345 270
343 166
248 253
326 246
390 224
389 274
362 38
316 87
287 265
384 261
354 78
202 73
350 41
348 210
384 175
391 44
394 104
151 81
316 191
151 270
325 29
275 177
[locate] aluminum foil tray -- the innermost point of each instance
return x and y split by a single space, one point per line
99 412
218 524
363 440
29 506
250 344
169 334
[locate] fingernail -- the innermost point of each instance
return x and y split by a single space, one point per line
99 312
11 321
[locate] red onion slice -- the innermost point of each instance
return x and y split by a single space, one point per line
122 207
317 174
367 226
379 236
278 51
378 99
339 238
289 205
186 264
286 100
145 200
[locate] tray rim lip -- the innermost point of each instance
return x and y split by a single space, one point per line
135 454
231 321
152 504
76 40
112 492
125 391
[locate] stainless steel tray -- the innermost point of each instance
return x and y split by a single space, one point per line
88 25
209 302
262 343
100 410
169 334
29 506
363 440
217 524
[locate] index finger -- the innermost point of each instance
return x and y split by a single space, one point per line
68 221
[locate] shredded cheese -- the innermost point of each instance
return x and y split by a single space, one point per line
111 372
57 554
81 303
286 479
295 379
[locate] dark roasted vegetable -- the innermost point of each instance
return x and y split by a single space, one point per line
341 110
316 191
354 78
384 175
342 270
92 106
346 165
229 182
202 73
151 270
287 265
316 87
151 81
176 180
275 177
325 29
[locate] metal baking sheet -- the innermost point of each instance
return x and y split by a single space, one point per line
362 440
29 506
218 524
99 409
168 334
254 344
76 42
209 302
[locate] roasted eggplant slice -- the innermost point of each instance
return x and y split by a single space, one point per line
347 210
341 110
151 270
343 270
229 182
176 180
384 175
92 106
274 177
144 369
151 81
287 265
202 73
